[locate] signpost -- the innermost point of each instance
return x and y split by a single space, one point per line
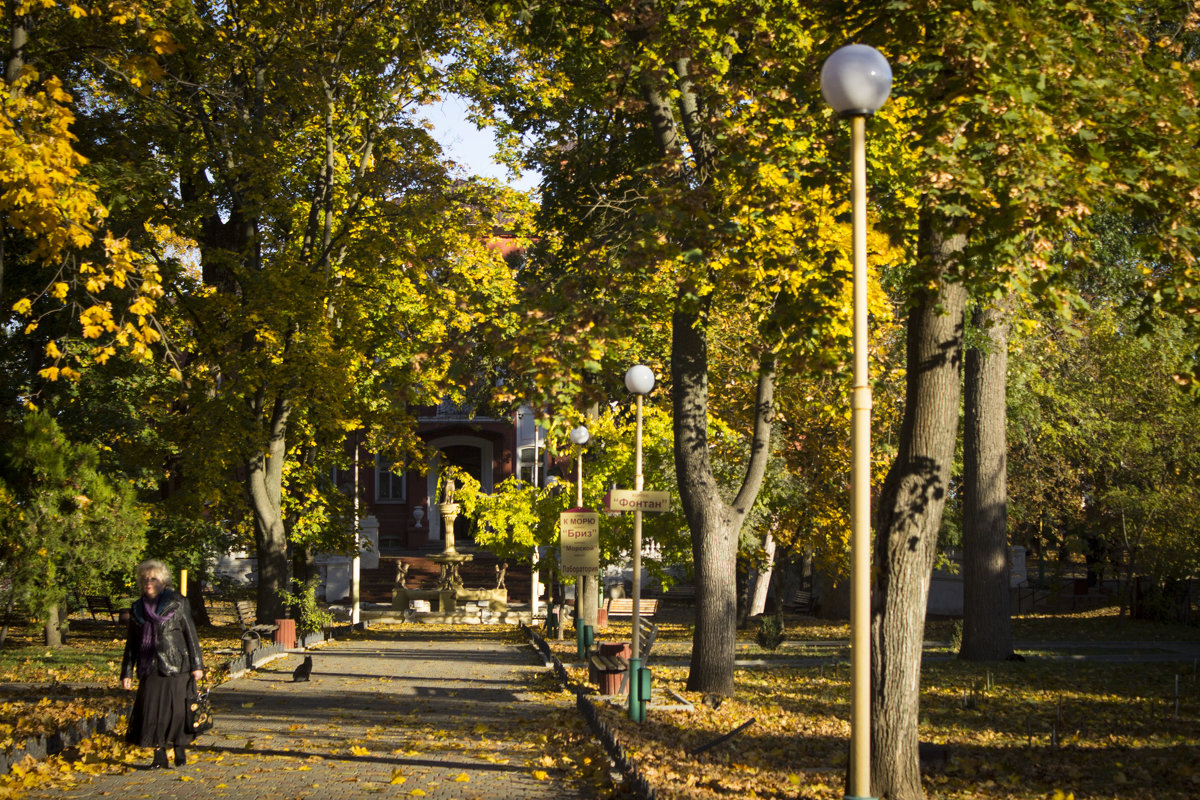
579 556
639 501
579 542
635 500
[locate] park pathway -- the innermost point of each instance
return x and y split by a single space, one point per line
432 713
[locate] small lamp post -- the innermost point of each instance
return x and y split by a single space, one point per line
583 634
856 80
639 380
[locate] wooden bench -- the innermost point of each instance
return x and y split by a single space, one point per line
100 604
612 665
680 591
800 602
251 632
623 607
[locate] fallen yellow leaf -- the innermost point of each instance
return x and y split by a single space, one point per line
463 778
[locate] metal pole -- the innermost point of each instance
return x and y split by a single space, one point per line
534 573
579 482
356 564
580 637
860 478
636 708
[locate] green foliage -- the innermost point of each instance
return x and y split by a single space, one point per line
1101 443
517 517
956 635
322 264
770 633
64 525
305 609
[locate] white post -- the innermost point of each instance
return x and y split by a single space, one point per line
860 480
356 564
534 606
856 80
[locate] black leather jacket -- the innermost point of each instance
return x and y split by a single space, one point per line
178 647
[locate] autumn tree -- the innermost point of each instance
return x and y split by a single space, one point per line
56 255
1022 121
323 259
671 142
1099 426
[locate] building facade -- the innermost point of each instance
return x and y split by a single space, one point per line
490 449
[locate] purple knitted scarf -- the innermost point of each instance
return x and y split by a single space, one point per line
150 631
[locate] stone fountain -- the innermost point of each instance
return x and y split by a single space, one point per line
450 591
450 581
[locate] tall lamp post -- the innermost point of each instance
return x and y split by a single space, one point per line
356 563
856 80
639 380
579 437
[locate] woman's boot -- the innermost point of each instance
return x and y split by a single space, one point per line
180 757
160 759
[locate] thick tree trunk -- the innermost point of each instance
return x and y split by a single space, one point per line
264 484
714 524
714 536
987 624
54 627
907 522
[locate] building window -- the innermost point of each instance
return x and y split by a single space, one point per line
389 485
343 480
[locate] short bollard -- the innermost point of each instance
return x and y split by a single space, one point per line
639 690
585 636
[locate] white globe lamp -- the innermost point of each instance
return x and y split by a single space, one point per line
639 379
856 80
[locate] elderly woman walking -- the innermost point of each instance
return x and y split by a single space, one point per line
164 651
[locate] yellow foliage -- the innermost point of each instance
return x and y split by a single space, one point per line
44 196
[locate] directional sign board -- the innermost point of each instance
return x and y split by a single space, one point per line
632 500
579 531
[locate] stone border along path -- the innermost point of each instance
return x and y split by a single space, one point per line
450 712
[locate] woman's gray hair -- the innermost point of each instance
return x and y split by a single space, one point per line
152 566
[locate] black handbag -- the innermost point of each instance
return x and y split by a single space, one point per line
199 710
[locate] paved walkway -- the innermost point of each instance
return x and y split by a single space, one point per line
446 714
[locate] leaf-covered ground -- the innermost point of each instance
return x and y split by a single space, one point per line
547 741
1020 731
42 688
1038 729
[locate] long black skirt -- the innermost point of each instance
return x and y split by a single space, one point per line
159 716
